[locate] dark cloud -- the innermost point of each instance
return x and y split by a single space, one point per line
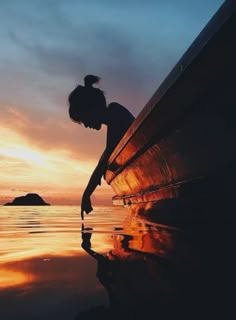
102 48
109 53
56 61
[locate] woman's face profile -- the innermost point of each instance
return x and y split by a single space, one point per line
91 121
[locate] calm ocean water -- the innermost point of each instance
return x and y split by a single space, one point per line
113 266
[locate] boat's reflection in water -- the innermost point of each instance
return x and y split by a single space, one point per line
162 271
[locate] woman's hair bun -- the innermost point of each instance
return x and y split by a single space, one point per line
90 79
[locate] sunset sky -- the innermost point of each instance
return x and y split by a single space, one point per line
47 47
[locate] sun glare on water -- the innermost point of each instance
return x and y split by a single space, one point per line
10 278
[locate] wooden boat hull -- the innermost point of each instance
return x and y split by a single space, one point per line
182 144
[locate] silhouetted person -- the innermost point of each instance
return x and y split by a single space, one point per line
87 105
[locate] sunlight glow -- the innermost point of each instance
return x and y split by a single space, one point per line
23 153
9 278
55 173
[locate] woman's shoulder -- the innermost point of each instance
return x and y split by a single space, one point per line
115 105
117 108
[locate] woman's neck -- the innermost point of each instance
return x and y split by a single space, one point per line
105 117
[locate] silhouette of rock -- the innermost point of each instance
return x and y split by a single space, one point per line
31 199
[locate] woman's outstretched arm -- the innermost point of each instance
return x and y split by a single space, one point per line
94 181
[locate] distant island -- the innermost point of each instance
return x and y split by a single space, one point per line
31 199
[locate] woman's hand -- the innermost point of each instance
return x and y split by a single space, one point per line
85 205
86 237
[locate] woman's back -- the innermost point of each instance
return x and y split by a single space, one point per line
119 120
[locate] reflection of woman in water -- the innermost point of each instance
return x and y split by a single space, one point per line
88 106
104 269
130 277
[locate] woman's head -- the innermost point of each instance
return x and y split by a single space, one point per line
87 104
